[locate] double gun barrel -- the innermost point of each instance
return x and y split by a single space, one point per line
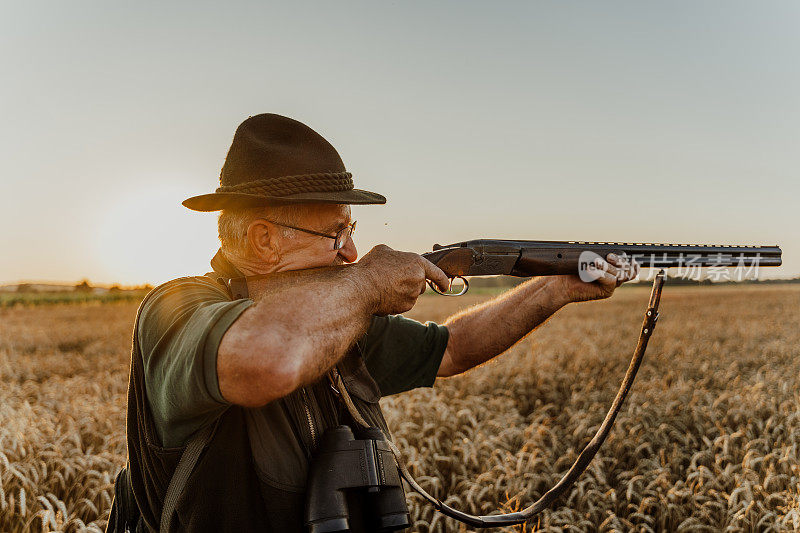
488 257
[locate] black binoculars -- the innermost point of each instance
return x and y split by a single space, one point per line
354 484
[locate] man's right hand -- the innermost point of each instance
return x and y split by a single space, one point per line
396 279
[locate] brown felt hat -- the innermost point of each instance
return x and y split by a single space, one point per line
275 160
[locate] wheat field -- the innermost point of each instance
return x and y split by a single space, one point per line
708 440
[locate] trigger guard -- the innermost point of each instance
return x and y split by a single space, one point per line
464 289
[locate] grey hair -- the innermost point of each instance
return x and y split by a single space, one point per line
233 223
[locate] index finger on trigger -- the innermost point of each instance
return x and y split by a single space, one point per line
436 275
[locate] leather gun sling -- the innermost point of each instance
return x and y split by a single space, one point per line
580 464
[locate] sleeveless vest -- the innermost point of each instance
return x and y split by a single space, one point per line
227 490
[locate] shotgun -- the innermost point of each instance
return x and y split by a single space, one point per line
491 257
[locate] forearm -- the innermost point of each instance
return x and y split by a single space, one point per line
301 324
485 331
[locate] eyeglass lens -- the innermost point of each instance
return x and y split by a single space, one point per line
343 235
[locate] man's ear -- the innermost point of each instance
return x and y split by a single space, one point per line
261 235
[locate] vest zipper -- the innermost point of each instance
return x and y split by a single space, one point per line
311 428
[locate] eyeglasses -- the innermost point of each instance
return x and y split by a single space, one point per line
339 240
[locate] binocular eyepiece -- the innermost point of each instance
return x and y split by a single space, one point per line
348 472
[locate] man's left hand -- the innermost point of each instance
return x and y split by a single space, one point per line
613 272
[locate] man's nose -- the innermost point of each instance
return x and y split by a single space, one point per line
348 251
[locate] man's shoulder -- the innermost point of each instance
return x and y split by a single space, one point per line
192 287
198 284
177 296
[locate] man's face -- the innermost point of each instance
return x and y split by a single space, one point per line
303 250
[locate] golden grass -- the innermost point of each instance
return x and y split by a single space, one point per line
708 440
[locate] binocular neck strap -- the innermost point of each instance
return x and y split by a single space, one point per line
581 463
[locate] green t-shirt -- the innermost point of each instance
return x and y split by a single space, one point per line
180 328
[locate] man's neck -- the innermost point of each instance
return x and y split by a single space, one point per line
233 266
251 268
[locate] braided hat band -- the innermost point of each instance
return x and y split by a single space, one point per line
288 185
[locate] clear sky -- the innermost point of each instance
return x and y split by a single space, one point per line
632 121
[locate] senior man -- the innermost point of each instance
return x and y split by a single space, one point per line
228 393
